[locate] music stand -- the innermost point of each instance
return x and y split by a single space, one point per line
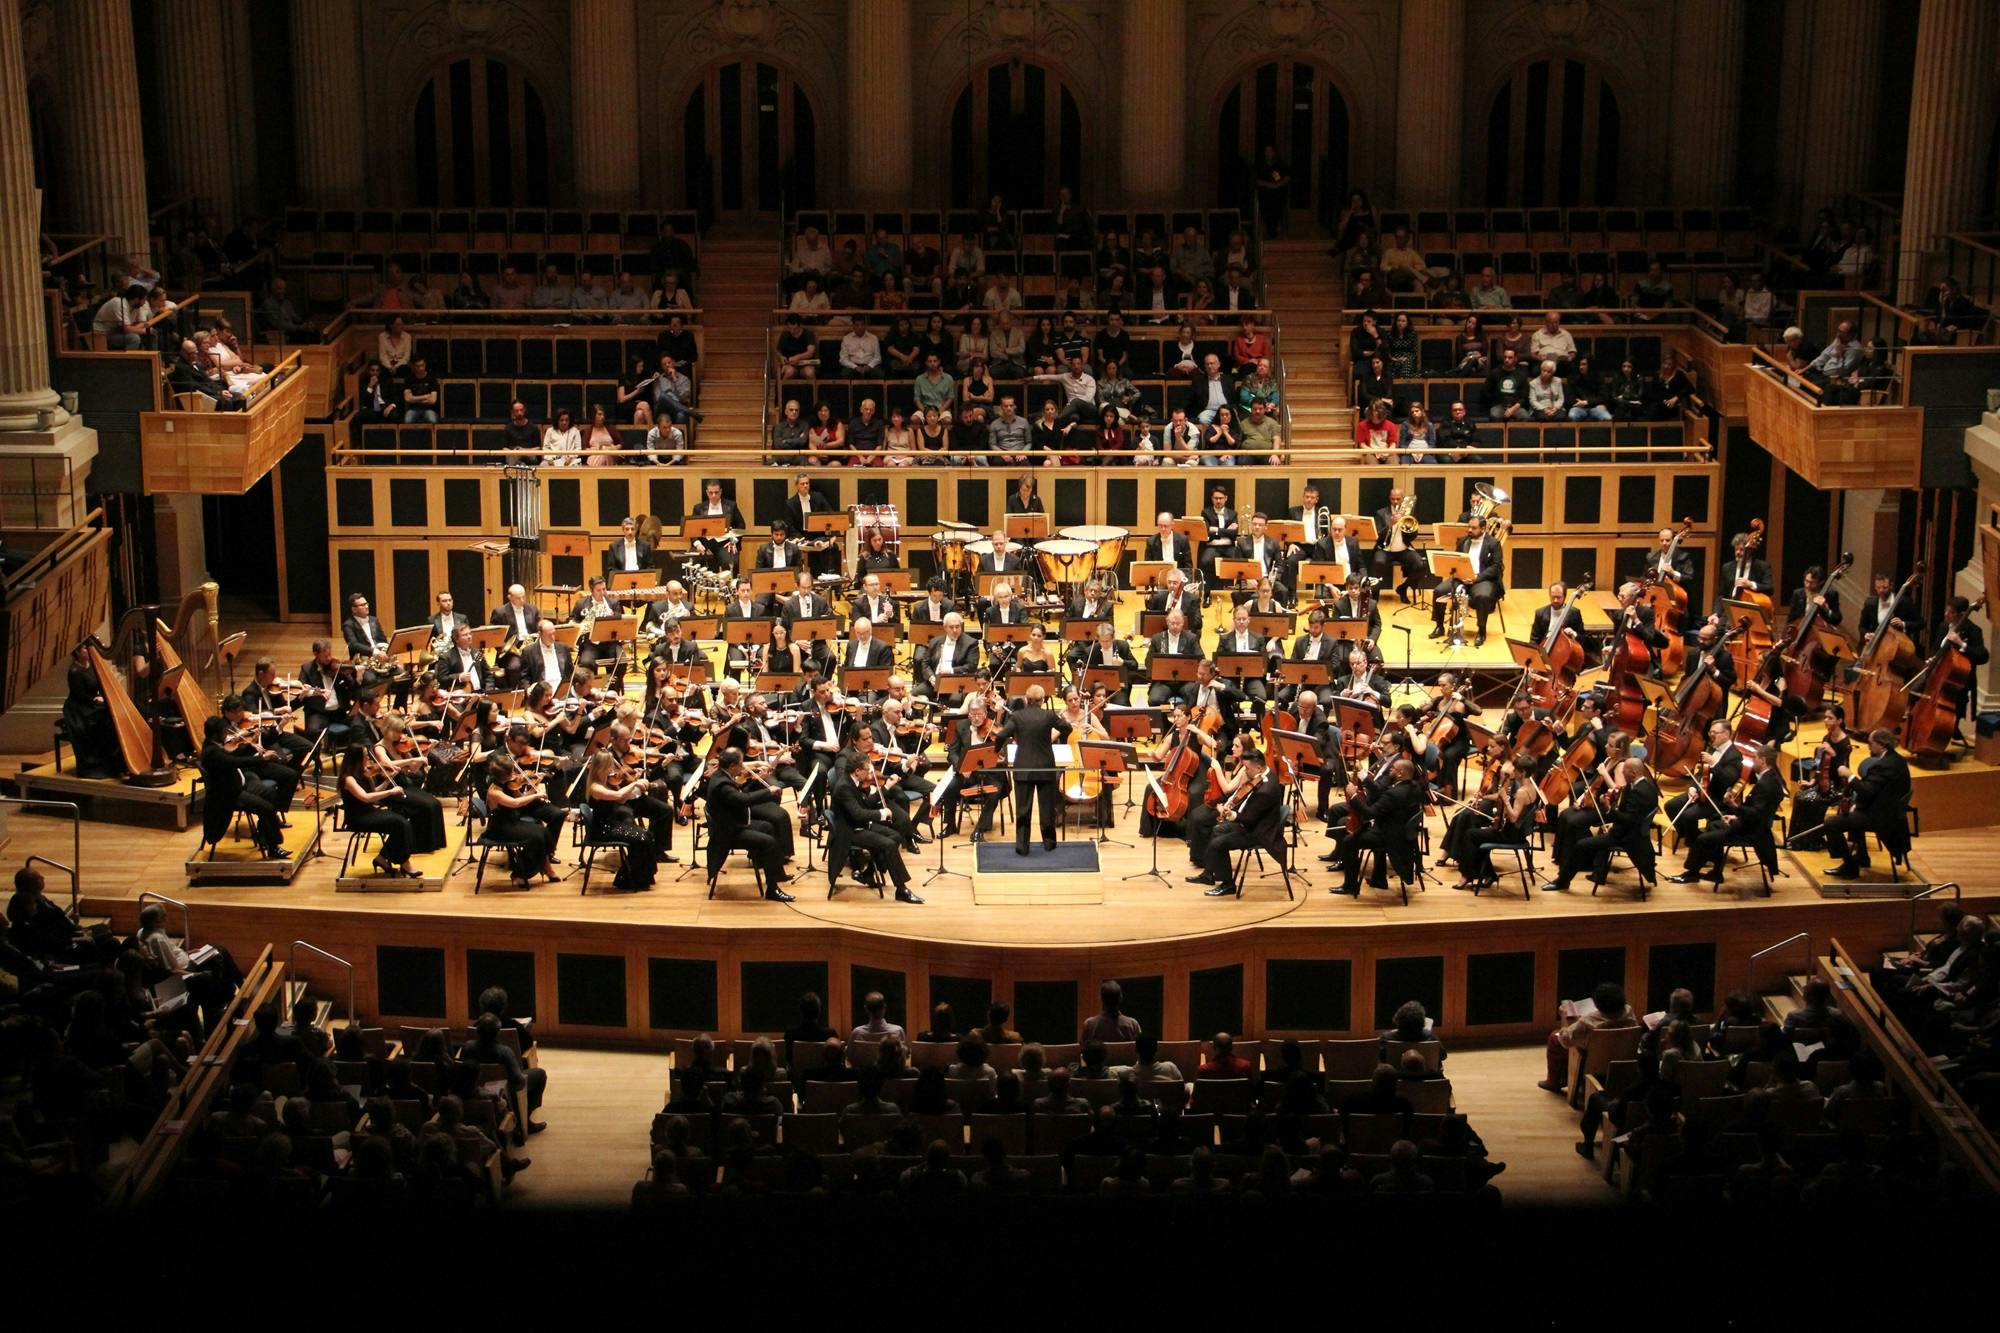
1149 574
1348 631
406 643
1299 750
864 680
1356 716
1026 527
1449 564
1274 624
1080 631
1361 527
894 581
1015 633
1113 677
833 520
696 672
741 632
567 635
1320 574
229 650
561 545
1171 669
774 582
1233 665
620 630
1151 623
1286 531
625 580
815 629
1235 572
920 632
1193 530
1301 673
779 682
1106 757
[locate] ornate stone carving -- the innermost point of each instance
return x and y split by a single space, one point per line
1023 25
746 20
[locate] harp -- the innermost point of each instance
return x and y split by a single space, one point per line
134 710
191 643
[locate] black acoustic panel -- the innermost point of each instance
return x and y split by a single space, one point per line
1527 500
895 987
1670 966
967 996
972 502
1430 499
1329 493
1629 562
568 569
1371 493
506 507
1171 495
1697 585
564 497
1121 502
461 502
1215 1000
357 574
920 503
1398 980
1072 500
1273 497
1583 498
771 992
512 970
410 584
1146 1000
681 994
1046 1011
465 576
590 990
1308 994
1579 971
614 500
408 507
1690 497
871 489
1636 492
409 982
666 499
354 502
1574 562
1499 988
302 516
1525 568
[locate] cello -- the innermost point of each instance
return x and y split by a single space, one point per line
1169 798
1808 666
1631 659
1669 601
1938 700
1697 702
1563 653
1878 698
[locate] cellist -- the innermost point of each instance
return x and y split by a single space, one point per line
1668 564
1818 790
1745 574
1180 732
1636 618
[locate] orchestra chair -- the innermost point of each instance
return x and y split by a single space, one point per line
1420 844
1241 873
475 836
1897 845
1616 853
841 854
1524 861
217 819
719 853
590 847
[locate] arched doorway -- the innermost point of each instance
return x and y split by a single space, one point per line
1553 137
748 136
480 136
1016 131
1295 106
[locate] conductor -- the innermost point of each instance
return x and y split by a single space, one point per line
1034 731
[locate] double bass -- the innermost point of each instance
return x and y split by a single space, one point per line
1938 698
1669 601
1757 640
1630 659
1808 666
1878 699
1563 653
1169 798
1698 701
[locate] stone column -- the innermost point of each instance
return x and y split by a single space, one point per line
878 100
1430 103
604 54
328 125
103 154
197 139
1843 76
1153 127
1707 100
1949 117
1982 450
24 345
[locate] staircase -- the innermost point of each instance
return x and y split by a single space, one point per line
1303 285
738 284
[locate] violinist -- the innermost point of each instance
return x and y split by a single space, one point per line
899 744
1633 805
267 705
557 728
1505 819
1637 617
953 652
330 696
1742 824
397 755
511 803
1589 799
739 809
1668 564
231 770
1176 640
1482 591
366 801
1877 801
608 789
871 822
1744 574
1357 603
1720 770
1240 639
366 723
986 788
1388 826
1176 597
872 603
1104 649
1819 788
463 667
717 552
1815 593
762 735
673 732
820 733
1557 613
599 604
1367 780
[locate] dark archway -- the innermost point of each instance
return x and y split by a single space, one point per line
1553 137
750 142
1295 106
480 137
1016 131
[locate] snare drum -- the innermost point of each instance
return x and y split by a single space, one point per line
1065 560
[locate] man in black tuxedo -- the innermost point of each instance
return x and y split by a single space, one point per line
1092 604
1003 609
1223 530
628 553
863 652
859 804
935 606
230 775
1743 573
545 660
1315 645
1814 592
1387 818
1958 630
805 500
1362 681
1886 603
1554 614
1630 831
1004 558
332 687
746 605
1103 649
804 603
1174 641
1483 589
523 621
1711 654
271 760
1239 639
1342 547
1258 821
1396 549
598 604
875 604
673 646
1307 512
954 652
1034 730
1679 569
1691 811
718 552
1176 597
1269 553
1166 544
782 551
1880 789
733 800
461 666
446 621
1636 617
1352 605
1208 690
1747 824
362 631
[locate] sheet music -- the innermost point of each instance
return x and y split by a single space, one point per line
937 793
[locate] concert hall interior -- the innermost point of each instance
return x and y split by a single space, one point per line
924 598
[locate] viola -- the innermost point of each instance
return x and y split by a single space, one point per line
1940 690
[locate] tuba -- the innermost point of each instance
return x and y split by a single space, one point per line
1486 503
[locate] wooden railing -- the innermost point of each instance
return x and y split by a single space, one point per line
1831 447
224 453
52 602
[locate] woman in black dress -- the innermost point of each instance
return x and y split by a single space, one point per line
364 804
611 820
509 794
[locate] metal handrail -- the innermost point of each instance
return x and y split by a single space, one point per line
76 841
187 929
1749 969
1958 895
292 966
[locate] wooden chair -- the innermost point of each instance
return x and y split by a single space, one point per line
1011 1130
1221 1096
858 1131
1049 1133
1348 1059
1605 1045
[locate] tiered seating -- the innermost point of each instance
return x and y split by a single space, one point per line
1531 250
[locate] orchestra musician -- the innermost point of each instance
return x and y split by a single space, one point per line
863 653
1637 617
1460 705
935 606
1742 824
1389 819
1354 604
546 659
362 631
899 743
1033 658
1228 776
533 759
1878 799
1818 791
1269 553
739 805
1721 769
717 552
1362 682
1708 649
1004 558
597 605
804 501
1173 641
1679 569
953 652
804 603
365 800
1003 609
1506 820
1744 573
231 769
630 553
446 622
1315 645
1306 511
673 606
522 622
1103 649
820 733
865 818
988 786
1338 546
463 667
511 805
1092 604
331 695
1546 617
757 735
1025 499
875 556
1814 592
1240 638
609 787
1176 596
675 650
1483 591
1394 548
1223 530
1630 830
873 603
1166 544
745 605
267 763
782 551
1886 603
1251 818
267 701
